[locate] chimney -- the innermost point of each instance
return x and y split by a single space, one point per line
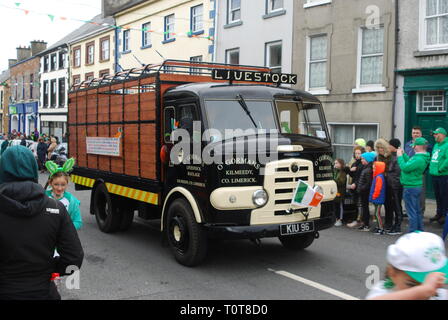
23 53
37 47
11 62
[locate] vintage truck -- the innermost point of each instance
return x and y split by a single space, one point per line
247 142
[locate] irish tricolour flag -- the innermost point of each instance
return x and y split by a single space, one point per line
306 196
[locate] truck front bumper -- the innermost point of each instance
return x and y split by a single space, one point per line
260 231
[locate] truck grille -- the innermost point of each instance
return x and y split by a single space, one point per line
280 183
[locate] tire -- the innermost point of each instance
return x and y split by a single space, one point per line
186 238
297 242
127 217
106 213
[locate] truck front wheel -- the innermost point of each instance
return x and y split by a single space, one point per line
107 217
298 241
186 237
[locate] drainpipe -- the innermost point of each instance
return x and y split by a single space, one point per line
215 26
396 34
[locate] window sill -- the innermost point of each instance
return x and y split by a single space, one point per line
168 41
427 53
146 47
126 52
369 90
316 3
107 60
319 92
233 24
274 14
196 33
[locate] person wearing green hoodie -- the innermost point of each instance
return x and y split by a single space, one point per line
32 226
438 169
411 178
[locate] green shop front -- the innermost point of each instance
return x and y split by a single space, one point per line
426 99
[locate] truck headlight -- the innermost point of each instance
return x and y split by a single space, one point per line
260 198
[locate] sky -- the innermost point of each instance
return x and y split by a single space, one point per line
20 27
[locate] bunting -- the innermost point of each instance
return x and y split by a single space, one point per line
52 17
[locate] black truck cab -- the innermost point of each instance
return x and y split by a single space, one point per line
242 152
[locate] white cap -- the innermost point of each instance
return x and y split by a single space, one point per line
418 254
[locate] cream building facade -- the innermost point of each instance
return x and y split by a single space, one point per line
155 30
92 53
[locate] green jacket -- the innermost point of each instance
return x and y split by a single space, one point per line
439 159
412 169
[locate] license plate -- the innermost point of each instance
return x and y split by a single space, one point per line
296 228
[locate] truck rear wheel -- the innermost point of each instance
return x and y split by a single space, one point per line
186 237
106 213
298 241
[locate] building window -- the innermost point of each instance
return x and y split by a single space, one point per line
146 35
431 101
23 88
317 63
195 70
89 76
61 92
53 62
169 27
104 73
53 93
435 30
233 11
46 63
274 5
126 35
90 53
273 56
31 85
46 93
343 137
61 60
104 49
77 57
76 80
197 24
233 56
371 51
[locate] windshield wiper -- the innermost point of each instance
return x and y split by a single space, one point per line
246 109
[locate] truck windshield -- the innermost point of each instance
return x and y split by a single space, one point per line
231 117
301 118
238 117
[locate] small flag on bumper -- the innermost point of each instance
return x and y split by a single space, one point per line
306 196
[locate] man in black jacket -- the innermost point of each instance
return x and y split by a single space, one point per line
32 226
394 192
364 185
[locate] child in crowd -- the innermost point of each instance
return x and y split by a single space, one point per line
355 172
363 188
378 193
341 180
58 182
370 146
417 268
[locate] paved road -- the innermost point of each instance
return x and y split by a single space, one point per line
134 265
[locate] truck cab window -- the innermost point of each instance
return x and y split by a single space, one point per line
300 118
169 124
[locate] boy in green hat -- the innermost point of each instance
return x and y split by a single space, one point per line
411 178
438 168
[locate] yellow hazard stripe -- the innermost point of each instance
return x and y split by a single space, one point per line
136 194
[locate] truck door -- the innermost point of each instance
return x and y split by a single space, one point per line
182 138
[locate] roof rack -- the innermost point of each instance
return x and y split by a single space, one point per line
196 68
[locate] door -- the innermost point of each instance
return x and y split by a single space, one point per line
183 163
429 112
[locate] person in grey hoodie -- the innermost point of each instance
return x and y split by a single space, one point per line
32 226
